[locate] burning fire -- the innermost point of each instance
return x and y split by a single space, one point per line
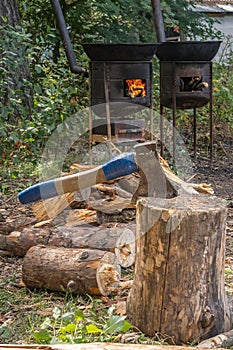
136 87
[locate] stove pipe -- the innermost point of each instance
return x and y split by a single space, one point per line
66 39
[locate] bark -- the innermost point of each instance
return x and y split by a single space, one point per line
180 267
124 215
17 74
9 10
18 242
80 271
119 240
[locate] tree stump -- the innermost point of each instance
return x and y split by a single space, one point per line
178 289
79 271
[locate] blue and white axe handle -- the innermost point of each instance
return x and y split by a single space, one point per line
122 165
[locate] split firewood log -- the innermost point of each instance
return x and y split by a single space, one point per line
80 271
180 185
52 207
222 340
79 217
131 184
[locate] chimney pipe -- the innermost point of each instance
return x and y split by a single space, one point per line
66 39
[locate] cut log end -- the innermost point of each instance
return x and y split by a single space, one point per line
107 278
125 248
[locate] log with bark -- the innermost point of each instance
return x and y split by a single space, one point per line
119 240
80 271
119 210
179 267
18 242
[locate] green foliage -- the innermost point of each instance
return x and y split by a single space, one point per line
193 25
222 93
13 42
31 317
16 126
54 92
112 20
95 323
57 95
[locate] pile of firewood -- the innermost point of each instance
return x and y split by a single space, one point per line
192 84
81 241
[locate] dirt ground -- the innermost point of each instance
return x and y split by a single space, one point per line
219 174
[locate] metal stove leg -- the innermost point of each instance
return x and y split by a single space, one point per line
108 118
174 130
90 135
174 115
211 115
195 132
161 131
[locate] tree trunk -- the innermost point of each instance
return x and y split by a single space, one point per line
16 70
180 269
9 10
80 271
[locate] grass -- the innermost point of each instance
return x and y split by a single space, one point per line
32 316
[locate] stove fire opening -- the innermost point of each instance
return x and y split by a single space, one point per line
192 84
135 88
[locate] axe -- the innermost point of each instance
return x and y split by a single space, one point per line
122 165
144 160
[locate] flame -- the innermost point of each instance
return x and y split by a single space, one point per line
136 87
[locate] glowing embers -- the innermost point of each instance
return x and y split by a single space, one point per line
135 87
192 84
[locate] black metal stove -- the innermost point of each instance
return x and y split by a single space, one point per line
126 71
120 85
186 81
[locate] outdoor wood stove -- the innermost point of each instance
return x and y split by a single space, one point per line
186 82
120 85
119 74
